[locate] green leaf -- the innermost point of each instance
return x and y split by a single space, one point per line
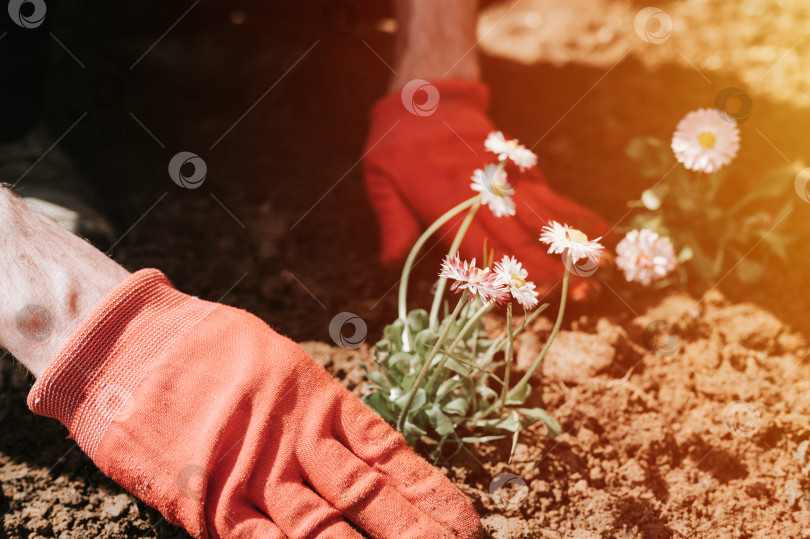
510 423
424 341
538 414
419 400
446 387
375 376
457 367
393 334
413 432
479 439
487 392
749 271
438 420
417 321
457 406
381 405
519 396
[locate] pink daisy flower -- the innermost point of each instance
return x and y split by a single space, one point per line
573 243
496 192
705 141
510 149
645 257
480 282
511 273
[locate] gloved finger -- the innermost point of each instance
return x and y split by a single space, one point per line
301 512
247 522
537 204
363 495
370 438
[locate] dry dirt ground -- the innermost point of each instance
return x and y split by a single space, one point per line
654 443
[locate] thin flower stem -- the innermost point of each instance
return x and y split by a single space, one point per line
539 359
404 416
473 321
510 351
406 269
474 366
462 231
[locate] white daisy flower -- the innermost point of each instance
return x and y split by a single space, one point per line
511 273
496 192
510 149
704 141
480 282
572 242
644 256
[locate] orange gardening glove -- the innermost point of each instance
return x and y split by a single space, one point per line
231 430
418 167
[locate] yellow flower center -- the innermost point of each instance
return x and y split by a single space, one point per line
643 261
576 235
519 281
707 139
499 188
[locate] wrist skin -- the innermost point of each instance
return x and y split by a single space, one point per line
52 280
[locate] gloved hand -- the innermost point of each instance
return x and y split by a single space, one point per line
231 430
418 167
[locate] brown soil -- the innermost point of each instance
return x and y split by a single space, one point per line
645 450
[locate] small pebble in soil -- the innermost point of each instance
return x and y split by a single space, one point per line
117 505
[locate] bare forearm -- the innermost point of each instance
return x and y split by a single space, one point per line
51 280
436 40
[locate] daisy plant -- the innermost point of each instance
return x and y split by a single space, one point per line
438 375
712 213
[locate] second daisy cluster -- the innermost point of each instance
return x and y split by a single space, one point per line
714 212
